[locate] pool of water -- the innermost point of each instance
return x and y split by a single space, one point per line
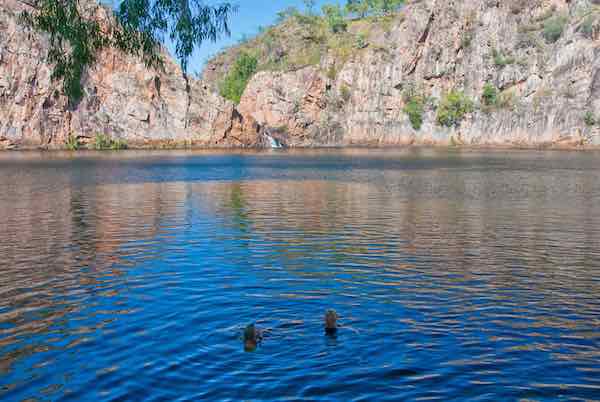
456 274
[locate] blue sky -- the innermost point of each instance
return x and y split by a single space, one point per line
251 15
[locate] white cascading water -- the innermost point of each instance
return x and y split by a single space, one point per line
273 143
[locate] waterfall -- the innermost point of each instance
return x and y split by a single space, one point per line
273 142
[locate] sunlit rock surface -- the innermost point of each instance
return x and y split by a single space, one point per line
122 98
435 46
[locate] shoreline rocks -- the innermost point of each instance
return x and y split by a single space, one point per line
545 90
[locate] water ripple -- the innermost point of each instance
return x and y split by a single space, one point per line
457 275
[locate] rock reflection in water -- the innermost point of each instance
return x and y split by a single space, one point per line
455 275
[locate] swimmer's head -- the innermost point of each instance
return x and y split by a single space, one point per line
331 321
250 338
250 333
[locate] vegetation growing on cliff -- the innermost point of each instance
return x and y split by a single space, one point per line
453 107
334 16
554 27
301 39
501 59
234 84
72 143
414 106
364 8
76 35
103 142
490 95
589 119
414 109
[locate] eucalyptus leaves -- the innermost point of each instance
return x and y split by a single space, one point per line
76 35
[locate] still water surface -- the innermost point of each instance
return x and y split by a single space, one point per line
457 275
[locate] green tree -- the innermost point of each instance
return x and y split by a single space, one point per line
234 84
334 15
490 95
310 6
76 37
359 8
286 13
414 108
554 27
453 108
363 8
386 6
589 119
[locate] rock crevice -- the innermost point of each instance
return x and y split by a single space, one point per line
547 91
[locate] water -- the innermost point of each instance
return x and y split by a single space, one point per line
457 275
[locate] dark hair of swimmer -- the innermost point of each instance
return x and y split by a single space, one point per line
251 338
331 321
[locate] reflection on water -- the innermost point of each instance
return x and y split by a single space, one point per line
456 275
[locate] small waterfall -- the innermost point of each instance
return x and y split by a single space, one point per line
273 142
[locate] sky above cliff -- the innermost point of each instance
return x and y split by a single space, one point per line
251 15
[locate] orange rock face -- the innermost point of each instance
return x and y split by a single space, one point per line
545 89
123 98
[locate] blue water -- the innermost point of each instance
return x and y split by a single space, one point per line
457 275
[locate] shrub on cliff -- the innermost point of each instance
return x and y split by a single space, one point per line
589 119
335 18
453 108
234 84
588 26
72 143
490 95
554 27
363 8
359 8
414 108
103 142
500 59
345 93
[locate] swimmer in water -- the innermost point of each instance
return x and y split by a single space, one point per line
331 322
252 337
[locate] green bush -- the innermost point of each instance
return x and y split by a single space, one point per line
236 80
118 144
453 108
335 18
72 143
554 27
466 39
364 8
500 59
345 93
361 41
359 8
587 28
589 119
490 95
103 142
414 108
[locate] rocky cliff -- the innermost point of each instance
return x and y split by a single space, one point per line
123 98
539 59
